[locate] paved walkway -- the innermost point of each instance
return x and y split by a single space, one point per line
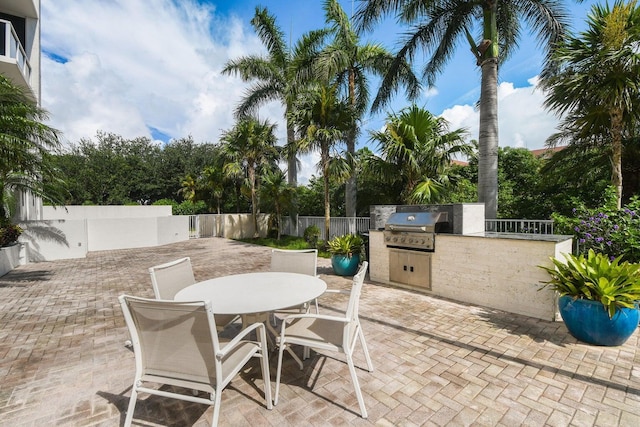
437 362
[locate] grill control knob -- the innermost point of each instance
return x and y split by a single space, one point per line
395 239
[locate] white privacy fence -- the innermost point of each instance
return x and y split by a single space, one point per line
203 226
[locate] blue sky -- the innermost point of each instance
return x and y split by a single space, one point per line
152 68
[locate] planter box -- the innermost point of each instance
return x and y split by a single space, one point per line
9 258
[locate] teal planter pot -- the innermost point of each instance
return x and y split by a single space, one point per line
588 321
345 266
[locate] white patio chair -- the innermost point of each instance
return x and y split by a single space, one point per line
170 278
302 261
331 333
176 344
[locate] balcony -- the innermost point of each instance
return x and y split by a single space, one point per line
13 59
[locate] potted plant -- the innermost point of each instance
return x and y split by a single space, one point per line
346 253
598 296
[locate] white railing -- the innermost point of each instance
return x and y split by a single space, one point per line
337 226
12 48
208 226
526 226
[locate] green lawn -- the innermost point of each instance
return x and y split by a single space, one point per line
287 242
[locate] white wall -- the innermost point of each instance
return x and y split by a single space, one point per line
54 239
65 239
104 212
126 233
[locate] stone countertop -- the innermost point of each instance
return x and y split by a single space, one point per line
512 236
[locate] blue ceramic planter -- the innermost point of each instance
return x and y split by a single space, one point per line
588 321
345 266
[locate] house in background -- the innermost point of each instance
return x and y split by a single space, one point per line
20 62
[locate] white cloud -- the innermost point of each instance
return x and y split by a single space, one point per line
137 65
523 122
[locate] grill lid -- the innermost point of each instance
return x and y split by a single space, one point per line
415 221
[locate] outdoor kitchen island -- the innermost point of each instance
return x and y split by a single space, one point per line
463 263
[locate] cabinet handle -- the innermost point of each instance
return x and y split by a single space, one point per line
411 269
405 268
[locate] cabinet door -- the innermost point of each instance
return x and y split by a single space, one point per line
410 268
419 273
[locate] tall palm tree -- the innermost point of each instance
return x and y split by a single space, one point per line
438 26
249 147
213 182
278 76
349 61
277 193
322 119
416 152
26 144
593 78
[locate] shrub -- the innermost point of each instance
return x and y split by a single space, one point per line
9 234
311 235
611 231
613 283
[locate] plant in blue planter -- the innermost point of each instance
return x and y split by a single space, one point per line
346 253
598 296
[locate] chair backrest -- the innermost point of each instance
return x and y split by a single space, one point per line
351 328
170 278
172 339
303 261
356 289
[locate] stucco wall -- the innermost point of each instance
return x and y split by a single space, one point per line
494 272
126 233
9 259
104 212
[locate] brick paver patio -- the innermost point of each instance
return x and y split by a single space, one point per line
437 362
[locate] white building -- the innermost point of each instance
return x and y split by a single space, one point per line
20 62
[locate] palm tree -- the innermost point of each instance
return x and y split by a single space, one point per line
322 119
349 62
25 147
249 147
593 79
277 77
212 181
276 192
416 152
188 189
439 26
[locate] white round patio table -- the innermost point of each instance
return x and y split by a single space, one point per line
254 292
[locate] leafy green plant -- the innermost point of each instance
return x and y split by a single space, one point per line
595 277
9 234
311 235
608 230
347 244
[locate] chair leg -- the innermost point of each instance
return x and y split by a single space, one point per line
217 398
356 385
266 376
132 406
366 350
278 372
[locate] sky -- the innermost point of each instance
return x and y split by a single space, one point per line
152 68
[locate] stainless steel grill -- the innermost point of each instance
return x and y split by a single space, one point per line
413 230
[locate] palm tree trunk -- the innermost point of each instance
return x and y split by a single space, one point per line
488 140
327 202
254 201
350 191
292 177
616 153
488 135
